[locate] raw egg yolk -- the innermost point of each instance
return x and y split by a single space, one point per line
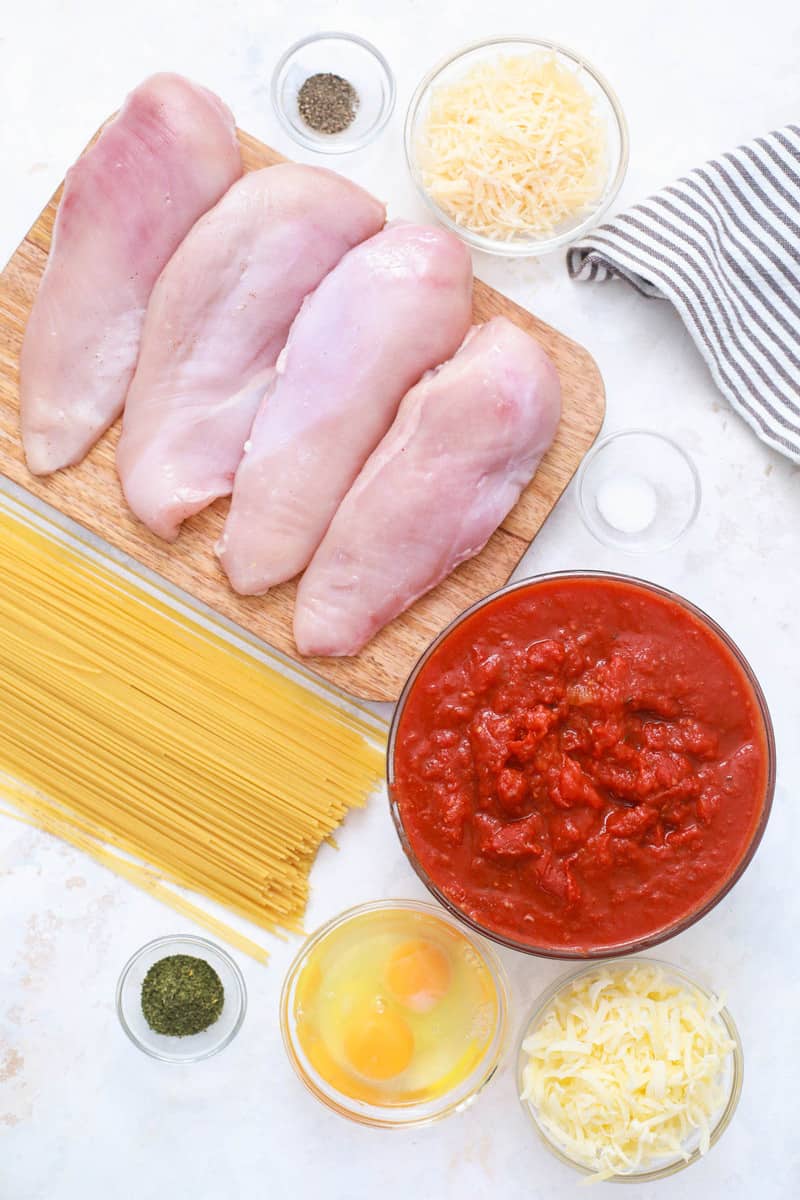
418 975
378 1045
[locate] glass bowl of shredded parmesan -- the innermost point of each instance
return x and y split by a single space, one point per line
630 1070
517 145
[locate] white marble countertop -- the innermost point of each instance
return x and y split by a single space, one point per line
84 1115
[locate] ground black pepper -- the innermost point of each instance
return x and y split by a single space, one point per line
181 995
327 102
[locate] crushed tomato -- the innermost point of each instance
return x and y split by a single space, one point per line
581 763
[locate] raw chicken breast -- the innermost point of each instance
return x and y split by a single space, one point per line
466 441
128 202
218 317
393 308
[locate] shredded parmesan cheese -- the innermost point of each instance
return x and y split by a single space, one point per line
628 1069
514 148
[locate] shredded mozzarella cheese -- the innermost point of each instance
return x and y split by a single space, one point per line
513 148
628 1069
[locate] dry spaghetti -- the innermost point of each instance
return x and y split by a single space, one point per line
131 729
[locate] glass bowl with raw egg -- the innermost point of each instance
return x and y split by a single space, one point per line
394 1015
581 765
517 145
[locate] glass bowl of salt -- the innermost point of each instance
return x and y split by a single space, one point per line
638 491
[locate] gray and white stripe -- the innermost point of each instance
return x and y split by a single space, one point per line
723 245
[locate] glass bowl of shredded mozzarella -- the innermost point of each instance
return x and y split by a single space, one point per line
517 145
629 1070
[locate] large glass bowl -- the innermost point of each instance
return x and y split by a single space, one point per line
460 1096
607 105
665 932
733 1080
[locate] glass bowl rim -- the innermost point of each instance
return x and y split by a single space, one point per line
530 246
636 945
314 142
546 997
202 944
381 1118
594 453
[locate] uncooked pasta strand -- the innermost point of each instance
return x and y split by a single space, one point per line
143 877
131 728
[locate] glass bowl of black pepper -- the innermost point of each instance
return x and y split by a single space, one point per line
181 998
333 92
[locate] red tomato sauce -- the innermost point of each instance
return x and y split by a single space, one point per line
580 763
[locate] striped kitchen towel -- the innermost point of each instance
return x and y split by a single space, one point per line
723 244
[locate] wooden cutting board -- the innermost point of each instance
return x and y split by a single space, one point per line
90 493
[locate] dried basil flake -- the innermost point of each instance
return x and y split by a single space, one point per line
181 995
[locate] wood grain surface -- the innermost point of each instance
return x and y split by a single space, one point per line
90 493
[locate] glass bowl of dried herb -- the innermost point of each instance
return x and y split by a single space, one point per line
181 998
333 92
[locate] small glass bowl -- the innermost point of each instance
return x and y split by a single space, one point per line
659 934
410 1115
198 1045
735 1071
638 491
340 54
608 106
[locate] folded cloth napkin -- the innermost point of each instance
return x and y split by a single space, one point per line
723 244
